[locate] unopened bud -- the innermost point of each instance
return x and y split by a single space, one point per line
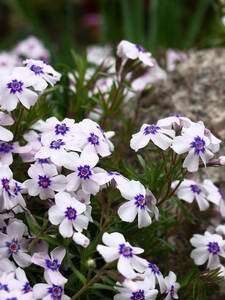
90 263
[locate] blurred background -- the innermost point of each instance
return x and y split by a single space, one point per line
155 24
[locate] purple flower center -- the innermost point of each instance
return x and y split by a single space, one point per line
13 246
71 213
36 69
140 295
61 129
6 148
26 288
44 182
195 188
84 172
140 48
151 129
15 86
172 291
140 201
154 268
198 144
93 139
52 265
56 144
5 184
126 251
4 287
213 248
55 291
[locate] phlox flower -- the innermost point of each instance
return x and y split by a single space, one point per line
14 244
172 286
215 195
16 87
45 181
31 47
132 51
23 282
41 73
214 145
85 199
97 54
6 150
190 190
175 121
51 264
135 192
56 149
49 291
193 141
208 247
152 275
10 191
116 179
5 134
160 136
117 248
68 214
142 292
93 139
52 128
85 174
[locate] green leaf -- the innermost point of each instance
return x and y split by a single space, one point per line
32 226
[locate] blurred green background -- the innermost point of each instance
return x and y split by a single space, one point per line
155 24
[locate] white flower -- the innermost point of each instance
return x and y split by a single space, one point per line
25 287
93 139
117 248
45 180
86 175
208 247
41 73
190 190
172 286
51 264
7 62
5 134
135 192
10 195
6 150
175 121
49 291
97 54
215 195
132 51
193 141
153 274
14 244
160 136
68 214
15 88
56 149
31 47
142 292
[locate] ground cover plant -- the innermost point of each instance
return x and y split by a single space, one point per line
93 202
